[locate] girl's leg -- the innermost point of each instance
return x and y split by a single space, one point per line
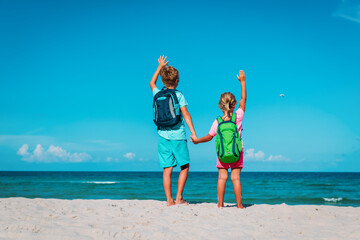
223 176
235 178
181 183
167 185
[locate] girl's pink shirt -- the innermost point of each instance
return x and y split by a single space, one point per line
238 122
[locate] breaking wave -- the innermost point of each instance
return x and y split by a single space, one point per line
99 182
334 200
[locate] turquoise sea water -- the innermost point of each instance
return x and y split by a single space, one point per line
340 189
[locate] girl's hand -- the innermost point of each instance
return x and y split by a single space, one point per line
162 62
241 76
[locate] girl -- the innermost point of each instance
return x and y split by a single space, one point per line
227 104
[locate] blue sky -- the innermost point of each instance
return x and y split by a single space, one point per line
75 78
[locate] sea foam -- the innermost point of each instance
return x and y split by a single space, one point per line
96 182
333 199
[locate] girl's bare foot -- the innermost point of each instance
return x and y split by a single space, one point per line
220 205
181 201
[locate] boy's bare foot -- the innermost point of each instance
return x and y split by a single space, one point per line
220 205
170 203
240 205
181 201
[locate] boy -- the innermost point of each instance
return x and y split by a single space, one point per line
172 146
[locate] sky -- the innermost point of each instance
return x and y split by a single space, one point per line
75 95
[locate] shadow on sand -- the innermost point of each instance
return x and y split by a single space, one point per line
234 205
226 205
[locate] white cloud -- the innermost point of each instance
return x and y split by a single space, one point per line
259 155
349 9
251 155
23 150
129 155
53 154
38 152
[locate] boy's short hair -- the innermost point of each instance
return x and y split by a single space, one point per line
169 75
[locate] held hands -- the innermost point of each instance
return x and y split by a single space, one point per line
162 62
194 139
241 76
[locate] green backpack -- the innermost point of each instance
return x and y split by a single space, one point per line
228 142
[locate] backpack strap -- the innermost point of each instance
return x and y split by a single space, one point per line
172 92
220 120
233 117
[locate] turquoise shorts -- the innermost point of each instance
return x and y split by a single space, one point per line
173 152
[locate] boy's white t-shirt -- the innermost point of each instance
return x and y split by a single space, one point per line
176 132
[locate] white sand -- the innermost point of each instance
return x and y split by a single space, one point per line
49 219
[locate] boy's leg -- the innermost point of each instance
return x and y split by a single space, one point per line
181 184
235 178
181 153
167 185
167 162
223 175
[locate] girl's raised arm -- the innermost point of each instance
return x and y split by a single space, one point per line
241 78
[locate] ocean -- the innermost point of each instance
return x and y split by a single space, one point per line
293 188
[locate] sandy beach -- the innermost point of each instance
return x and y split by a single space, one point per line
23 218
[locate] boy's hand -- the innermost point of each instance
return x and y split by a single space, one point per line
241 76
162 62
194 139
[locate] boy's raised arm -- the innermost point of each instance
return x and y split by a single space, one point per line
241 78
162 63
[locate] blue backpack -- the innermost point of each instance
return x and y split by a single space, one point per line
166 108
